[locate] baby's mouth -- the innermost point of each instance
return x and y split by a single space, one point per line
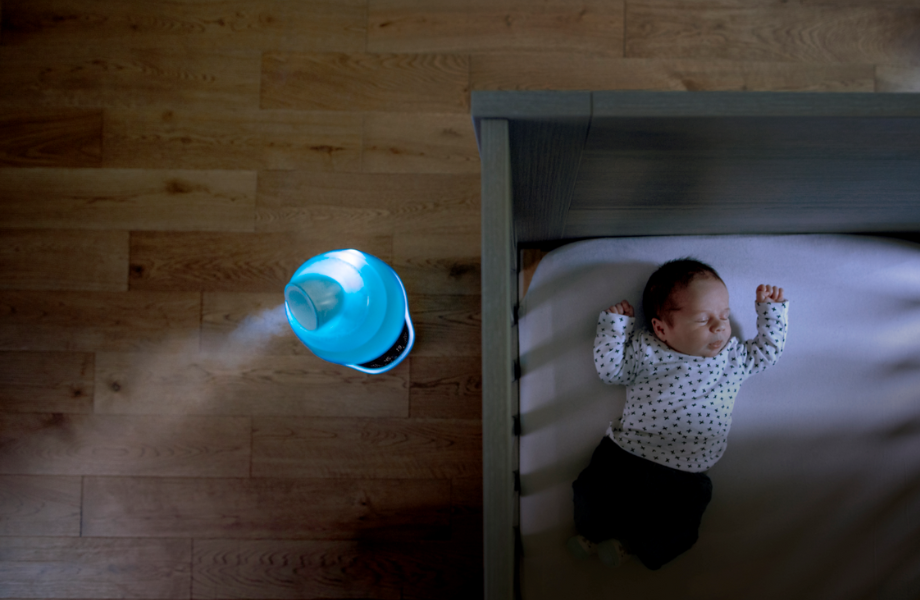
716 345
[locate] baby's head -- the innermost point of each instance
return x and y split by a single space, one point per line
686 305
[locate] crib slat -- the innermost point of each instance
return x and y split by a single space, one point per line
498 297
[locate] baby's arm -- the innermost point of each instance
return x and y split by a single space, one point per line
613 355
765 349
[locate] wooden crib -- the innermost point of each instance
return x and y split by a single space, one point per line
561 166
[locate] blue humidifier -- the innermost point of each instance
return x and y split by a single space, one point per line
350 308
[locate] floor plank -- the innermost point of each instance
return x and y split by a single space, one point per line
439 263
235 383
55 444
384 203
266 508
442 570
72 567
557 71
466 510
715 29
366 448
99 321
64 260
446 326
318 569
220 139
40 506
36 382
225 314
282 569
128 199
51 138
234 262
422 143
87 76
371 82
320 25
479 26
445 388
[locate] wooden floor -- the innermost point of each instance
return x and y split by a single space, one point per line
166 165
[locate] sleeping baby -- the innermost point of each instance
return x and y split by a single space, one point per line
645 489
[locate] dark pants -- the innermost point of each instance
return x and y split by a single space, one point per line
654 511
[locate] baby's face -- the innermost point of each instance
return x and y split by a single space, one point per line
700 325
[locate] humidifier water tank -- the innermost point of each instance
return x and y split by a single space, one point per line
350 308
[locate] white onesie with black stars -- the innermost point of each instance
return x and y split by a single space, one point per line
679 407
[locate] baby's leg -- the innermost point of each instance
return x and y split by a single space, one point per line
597 495
671 514
652 510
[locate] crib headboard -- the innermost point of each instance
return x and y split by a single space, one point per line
569 165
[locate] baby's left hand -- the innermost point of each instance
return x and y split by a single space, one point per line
770 293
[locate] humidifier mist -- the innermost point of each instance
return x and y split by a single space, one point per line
350 308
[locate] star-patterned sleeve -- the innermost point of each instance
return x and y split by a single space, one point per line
764 350
614 356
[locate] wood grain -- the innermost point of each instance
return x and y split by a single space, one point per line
51 138
40 506
99 321
55 444
445 388
288 569
64 260
285 569
556 71
372 82
715 29
85 76
318 25
128 199
484 26
375 203
439 263
60 382
234 262
73 567
366 448
266 508
446 325
422 143
241 139
236 382
225 313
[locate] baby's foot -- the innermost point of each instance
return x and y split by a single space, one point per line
581 547
611 552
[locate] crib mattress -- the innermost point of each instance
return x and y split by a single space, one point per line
818 493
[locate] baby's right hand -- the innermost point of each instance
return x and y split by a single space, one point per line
623 308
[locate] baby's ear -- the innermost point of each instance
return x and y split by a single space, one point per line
659 329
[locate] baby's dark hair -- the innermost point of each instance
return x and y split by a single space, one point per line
672 276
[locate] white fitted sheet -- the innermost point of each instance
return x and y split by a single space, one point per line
818 493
